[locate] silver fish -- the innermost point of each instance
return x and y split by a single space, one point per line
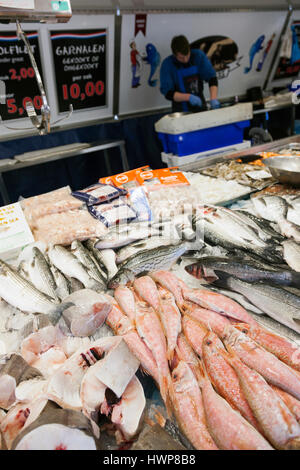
63 287
39 273
21 294
83 255
118 238
291 254
272 208
67 262
108 259
276 302
153 242
147 261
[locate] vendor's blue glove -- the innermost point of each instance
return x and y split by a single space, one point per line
215 104
195 101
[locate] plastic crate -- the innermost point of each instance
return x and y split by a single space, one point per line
204 139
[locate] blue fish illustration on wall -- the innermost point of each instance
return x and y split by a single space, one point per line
153 59
255 48
295 46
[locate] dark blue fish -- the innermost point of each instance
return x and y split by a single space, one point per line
255 48
153 59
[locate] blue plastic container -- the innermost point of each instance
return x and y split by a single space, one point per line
204 139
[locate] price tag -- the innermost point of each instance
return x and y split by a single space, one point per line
17 76
80 68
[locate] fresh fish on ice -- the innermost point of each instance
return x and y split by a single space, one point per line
67 262
147 261
291 254
88 312
188 407
279 425
227 427
269 299
242 269
21 294
84 257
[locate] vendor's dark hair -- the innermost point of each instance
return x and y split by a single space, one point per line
180 45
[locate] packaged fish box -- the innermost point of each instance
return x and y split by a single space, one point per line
14 231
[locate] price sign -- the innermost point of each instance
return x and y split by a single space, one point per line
17 77
80 68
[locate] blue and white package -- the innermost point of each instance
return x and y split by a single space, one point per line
99 193
140 203
113 213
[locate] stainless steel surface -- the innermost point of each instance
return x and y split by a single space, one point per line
94 147
285 169
273 108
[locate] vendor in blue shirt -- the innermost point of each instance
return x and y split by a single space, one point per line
182 75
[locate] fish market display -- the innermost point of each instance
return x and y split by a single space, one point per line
168 202
200 301
243 173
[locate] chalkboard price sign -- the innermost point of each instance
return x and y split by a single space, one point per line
80 68
18 82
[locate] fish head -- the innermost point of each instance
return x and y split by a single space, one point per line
182 377
123 277
211 341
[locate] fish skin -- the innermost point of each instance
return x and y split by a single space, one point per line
291 254
125 298
264 224
184 352
272 208
147 261
40 275
108 259
118 238
83 255
194 333
268 298
21 294
188 407
291 402
208 318
171 319
224 378
227 427
271 324
219 234
63 288
242 269
70 266
279 425
285 350
121 325
140 245
146 289
218 303
170 282
151 332
263 362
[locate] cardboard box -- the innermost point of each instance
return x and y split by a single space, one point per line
14 231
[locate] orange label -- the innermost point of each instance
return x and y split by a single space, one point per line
127 177
162 177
